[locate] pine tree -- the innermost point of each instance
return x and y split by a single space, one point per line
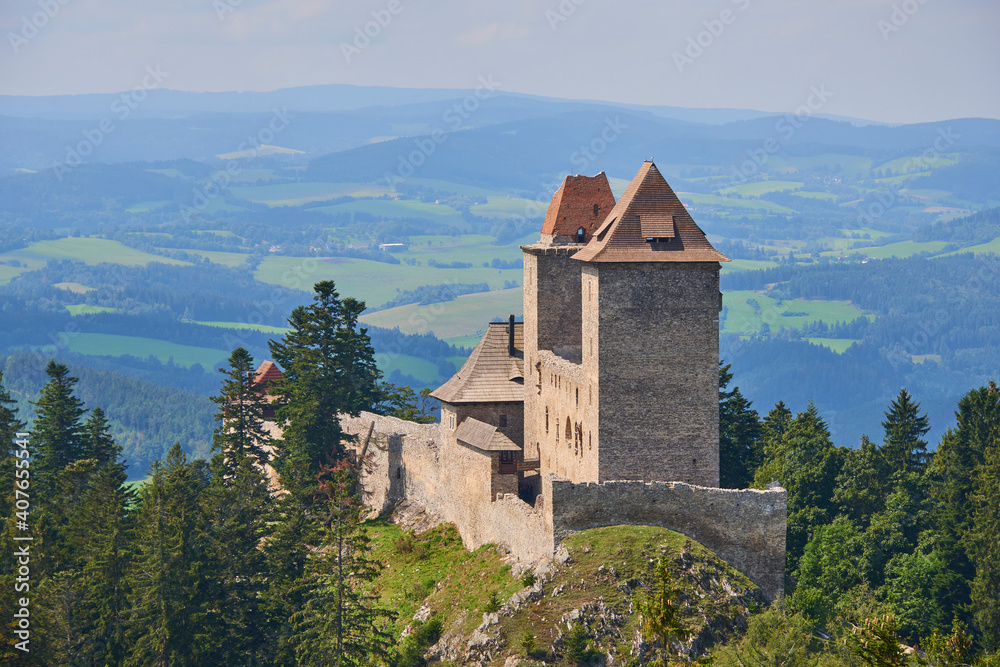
241 431
904 448
340 624
329 369
740 446
166 603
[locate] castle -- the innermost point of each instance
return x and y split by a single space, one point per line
600 408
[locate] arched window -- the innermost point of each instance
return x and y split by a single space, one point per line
569 429
581 234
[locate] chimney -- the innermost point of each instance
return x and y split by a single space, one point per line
510 336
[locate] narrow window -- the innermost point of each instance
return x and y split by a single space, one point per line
399 473
569 429
581 234
503 421
590 439
546 419
577 397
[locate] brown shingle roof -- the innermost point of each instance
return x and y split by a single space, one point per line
649 209
581 201
484 437
488 376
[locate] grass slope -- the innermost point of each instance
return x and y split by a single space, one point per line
465 316
95 344
741 317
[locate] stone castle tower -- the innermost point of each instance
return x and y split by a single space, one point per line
621 337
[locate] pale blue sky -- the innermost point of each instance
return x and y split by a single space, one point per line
943 61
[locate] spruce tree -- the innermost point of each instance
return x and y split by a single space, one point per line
240 433
982 546
329 369
740 446
340 624
98 443
57 435
904 448
167 608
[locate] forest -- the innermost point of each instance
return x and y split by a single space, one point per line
206 562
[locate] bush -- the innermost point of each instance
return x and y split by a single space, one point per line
528 579
411 651
492 603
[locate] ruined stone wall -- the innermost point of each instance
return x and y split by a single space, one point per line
744 527
657 371
566 395
415 462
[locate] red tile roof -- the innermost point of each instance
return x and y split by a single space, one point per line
649 209
581 201
490 374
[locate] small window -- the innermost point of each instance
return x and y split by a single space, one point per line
581 234
508 457
546 419
503 421
451 422
569 429
399 473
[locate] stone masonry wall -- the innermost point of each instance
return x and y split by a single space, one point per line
565 395
657 367
744 527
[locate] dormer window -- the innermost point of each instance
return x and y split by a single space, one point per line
657 227
581 234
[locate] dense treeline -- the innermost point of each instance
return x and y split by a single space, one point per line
207 563
980 227
889 529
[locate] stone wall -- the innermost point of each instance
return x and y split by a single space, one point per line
744 527
657 370
566 395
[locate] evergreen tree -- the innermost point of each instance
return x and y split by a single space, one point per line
98 443
862 484
57 435
105 530
329 369
240 433
165 626
983 546
238 509
740 446
904 448
806 464
340 624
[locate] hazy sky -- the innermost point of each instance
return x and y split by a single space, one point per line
887 60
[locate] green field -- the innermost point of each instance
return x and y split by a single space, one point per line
914 162
147 206
901 249
697 200
294 194
470 248
88 250
839 163
421 369
760 188
8 273
990 247
466 316
397 208
75 288
117 346
84 309
838 345
741 318
815 195
509 207
264 328
746 265
376 283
